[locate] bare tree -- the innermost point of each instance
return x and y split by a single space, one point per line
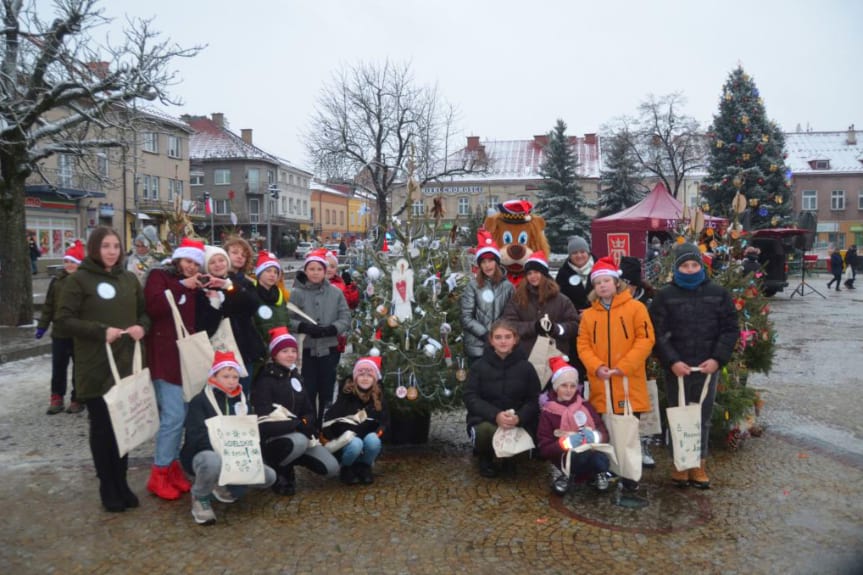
367 122
63 92
666 143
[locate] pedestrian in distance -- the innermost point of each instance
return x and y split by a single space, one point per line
286 416
142 260
615 339
198 456
35 254
102 302
62 346
696 326
851 262
836 266
360 416
502 391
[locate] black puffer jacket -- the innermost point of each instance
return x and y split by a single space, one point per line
693 326
497 384
573 286
348 403
278 384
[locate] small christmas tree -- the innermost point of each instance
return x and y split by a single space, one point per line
747 157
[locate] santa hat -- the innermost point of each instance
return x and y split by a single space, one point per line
210 251
486 246
74 253
266 260
191 250
280 339
319 255
222 360
515 211
604 267
373 362
537 262
561 371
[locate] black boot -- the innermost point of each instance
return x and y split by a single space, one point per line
364 473
486 467
130 500
285 481
348 475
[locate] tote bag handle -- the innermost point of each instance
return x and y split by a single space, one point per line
137 364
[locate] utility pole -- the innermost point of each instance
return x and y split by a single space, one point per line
273 190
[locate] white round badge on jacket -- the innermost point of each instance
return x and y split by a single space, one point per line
487 296
295 383
264 312
106 291
574 279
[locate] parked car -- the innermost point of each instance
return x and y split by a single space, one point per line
332 247
303 248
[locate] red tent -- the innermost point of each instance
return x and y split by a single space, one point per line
626 232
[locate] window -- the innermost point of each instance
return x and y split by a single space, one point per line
809 201
254 210
860 200
222 177
464 206
253 179
150 142
290 205
174 146
837 200
102 164
65 170
221 207
341 218
493 201
419 208
52 234
837 238
150 190
313 211
175 189
284 209
306 208
327 212
821 164
271 177
196 179
291 179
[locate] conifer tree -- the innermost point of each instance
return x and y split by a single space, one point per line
620 183
747 156
561 200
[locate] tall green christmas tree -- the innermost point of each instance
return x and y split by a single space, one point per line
561 200
620 181
409 314
747 158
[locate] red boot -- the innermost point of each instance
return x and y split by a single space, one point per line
177 477
160 485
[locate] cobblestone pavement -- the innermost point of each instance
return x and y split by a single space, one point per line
788 502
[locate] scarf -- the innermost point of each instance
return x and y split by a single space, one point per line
583 271
237 390
567 413
689 281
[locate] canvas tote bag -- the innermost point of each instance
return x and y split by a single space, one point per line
235 438
684 423
509 442
650 422
543 349
623 435
132 404
196 354
223 340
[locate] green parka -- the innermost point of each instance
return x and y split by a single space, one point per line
93 300
52 303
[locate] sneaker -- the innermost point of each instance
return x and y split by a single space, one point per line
56 405
629 485
486 468
646 457
202 511
75 407
223 494
601 482
560 485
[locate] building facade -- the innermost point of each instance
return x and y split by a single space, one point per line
329 212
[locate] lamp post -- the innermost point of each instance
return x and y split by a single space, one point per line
273 190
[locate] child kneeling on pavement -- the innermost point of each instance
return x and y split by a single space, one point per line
286 417
566 416
357 420
198 456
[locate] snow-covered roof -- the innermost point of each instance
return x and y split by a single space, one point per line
317 186
805 147
521 159
161 116
213 142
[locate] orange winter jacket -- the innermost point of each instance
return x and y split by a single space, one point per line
621 337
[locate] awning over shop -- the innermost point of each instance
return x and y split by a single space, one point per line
66 193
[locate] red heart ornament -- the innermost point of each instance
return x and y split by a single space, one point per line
402 288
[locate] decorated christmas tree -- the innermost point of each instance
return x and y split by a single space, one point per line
409 314
747 157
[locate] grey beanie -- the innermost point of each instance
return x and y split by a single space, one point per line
578 244
685 252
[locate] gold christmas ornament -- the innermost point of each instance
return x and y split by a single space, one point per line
746 157
737 181
779 200
744 120
412 393
753 202
719 143
765 138
773 167
461 374
739 203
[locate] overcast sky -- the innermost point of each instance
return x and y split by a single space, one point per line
512 67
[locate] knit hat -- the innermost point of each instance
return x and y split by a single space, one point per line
191 250
486 246
222 360
515 211
319 255
373 362
74 253
630 270
266 260
537 262
280 339
686 252
577 244
210 251
604 267
561 371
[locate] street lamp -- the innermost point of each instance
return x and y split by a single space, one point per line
209 209
273 190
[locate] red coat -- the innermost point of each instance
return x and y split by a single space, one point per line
163 358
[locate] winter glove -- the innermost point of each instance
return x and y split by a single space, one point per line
40 331
328 331
538 327
309 329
